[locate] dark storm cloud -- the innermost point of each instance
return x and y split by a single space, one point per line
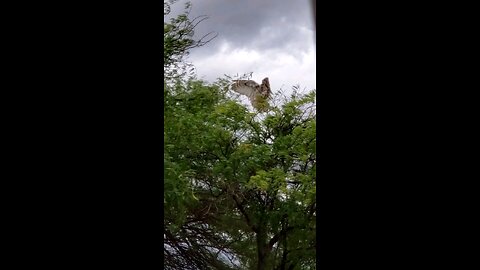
254 24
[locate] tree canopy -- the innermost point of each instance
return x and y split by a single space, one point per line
239 185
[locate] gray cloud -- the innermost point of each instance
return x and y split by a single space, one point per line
253 24
271 38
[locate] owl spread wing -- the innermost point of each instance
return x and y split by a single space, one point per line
252 89
245 87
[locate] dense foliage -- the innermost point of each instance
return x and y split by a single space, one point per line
239 185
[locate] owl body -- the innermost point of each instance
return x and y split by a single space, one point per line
252 90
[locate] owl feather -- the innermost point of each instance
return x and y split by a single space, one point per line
252 90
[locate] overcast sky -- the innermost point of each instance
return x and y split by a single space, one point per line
271 38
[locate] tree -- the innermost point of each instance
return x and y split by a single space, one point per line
239 186
178 39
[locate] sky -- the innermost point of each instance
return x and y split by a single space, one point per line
271 38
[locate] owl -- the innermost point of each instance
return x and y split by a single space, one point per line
254 91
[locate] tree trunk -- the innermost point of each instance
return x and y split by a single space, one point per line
261 249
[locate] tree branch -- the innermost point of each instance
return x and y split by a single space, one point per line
244 213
